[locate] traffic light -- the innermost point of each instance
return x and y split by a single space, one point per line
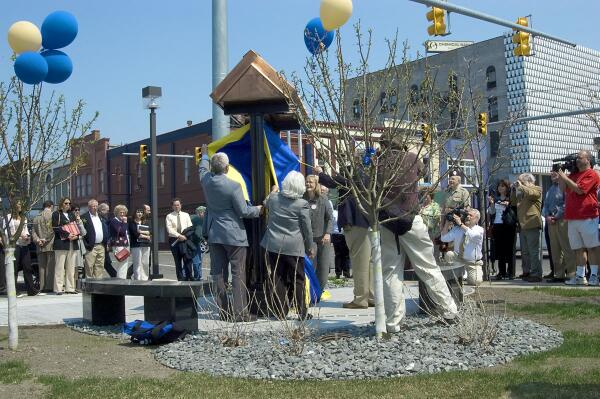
521 39
143 153
426 133
437 16
482 124
197 155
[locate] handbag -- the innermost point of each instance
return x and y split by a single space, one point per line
68 229
122 254
509 216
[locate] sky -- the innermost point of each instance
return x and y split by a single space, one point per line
125 45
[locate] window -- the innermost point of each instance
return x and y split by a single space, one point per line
490 76
468 177
414 94
101 181
393 100
48 181
493 109
161 173
119 179
383 102
186 169
426 180
356 109
138 176
88 186
78 186
494 144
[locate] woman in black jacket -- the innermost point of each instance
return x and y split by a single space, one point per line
65 247
118 229
503 230
139 238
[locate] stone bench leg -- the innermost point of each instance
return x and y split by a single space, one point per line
180 310
103 310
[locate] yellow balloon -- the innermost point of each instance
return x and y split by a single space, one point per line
24 36
335 13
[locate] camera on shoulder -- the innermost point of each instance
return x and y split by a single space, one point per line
567 163
462 213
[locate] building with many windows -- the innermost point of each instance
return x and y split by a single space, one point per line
555 78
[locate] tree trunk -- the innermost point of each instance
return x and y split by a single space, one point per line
11 291
377 282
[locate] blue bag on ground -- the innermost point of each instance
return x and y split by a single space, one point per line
313 288
145 333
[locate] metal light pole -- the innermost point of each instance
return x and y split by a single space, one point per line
151 94
220 121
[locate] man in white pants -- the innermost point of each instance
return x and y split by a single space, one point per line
468 241
405 235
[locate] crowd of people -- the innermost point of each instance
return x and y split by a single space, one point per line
70 245
301 220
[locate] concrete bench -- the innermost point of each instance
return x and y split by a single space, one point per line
453 275
104 300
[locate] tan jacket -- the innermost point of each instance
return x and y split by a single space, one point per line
42 230
529 208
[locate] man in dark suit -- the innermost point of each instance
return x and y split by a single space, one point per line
103 210
94 241
226 233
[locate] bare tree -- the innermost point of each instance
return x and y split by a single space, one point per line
36 132
348 119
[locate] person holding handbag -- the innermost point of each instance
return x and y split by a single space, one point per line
66 237
119 240
139 235
504 226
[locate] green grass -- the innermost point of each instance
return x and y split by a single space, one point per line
565 310
568 292
13 372
570 371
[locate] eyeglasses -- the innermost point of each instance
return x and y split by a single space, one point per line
66 203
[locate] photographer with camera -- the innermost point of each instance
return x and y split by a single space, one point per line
581 212
467 237
528 197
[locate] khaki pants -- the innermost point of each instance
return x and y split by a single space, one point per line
359 246
64 266
417 246
46 268
474 269
94 262
563 256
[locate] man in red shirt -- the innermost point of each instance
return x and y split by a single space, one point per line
581 213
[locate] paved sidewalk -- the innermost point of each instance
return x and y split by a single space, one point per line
51 309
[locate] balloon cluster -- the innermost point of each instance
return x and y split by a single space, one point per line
59 29
318 34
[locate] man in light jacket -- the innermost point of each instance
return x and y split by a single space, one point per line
43 236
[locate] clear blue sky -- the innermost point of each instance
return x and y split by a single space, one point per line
125 45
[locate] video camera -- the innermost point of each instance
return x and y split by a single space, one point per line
461 212
569 163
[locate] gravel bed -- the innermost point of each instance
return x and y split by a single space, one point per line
115 331
422 346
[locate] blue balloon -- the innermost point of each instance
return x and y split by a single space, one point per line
60 66
31 67
59 30
316 37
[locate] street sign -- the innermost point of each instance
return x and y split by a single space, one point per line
441 46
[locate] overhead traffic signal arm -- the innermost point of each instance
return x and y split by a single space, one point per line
522 40
438 17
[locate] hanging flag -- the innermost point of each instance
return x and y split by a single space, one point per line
279 158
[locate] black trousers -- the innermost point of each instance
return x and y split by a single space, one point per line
108 265
504 248
287 284
23 261
547 238
183 266
342 255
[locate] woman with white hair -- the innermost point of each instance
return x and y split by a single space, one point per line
119 240
287 239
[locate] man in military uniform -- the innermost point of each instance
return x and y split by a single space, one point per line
455 196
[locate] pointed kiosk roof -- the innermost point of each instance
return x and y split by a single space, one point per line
254 86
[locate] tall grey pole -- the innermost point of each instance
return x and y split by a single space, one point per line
220 122
154 194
